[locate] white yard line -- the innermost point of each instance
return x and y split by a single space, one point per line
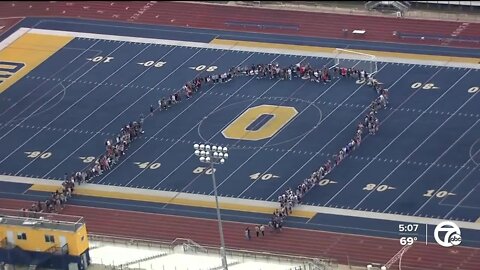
51 89
100 106
301 139
450 178
59 115
463 179
326 144
233 119
270 139
64 92
429 136
432 50
193 127
374 158
466 196
247 202
431 165
247 48
164 127
40 107
214 46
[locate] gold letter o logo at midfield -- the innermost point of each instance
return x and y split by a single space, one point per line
279 116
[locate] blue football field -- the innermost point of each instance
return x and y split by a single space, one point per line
424 161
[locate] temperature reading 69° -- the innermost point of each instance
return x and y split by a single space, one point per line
407 240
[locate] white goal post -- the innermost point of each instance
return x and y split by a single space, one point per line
358 60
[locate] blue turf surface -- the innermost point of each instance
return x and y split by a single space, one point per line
428 140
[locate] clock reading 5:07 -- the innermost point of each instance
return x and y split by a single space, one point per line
407 227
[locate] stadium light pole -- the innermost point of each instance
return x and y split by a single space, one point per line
213 154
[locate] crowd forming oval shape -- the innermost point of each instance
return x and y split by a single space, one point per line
116 147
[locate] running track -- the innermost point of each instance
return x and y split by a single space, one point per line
345 248
311 24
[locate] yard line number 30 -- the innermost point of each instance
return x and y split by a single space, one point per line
426 86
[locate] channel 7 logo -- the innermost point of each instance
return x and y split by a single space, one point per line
8 69
447 234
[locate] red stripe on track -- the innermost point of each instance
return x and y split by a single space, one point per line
312 24
7 23
346 248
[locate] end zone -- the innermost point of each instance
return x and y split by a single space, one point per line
24 51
